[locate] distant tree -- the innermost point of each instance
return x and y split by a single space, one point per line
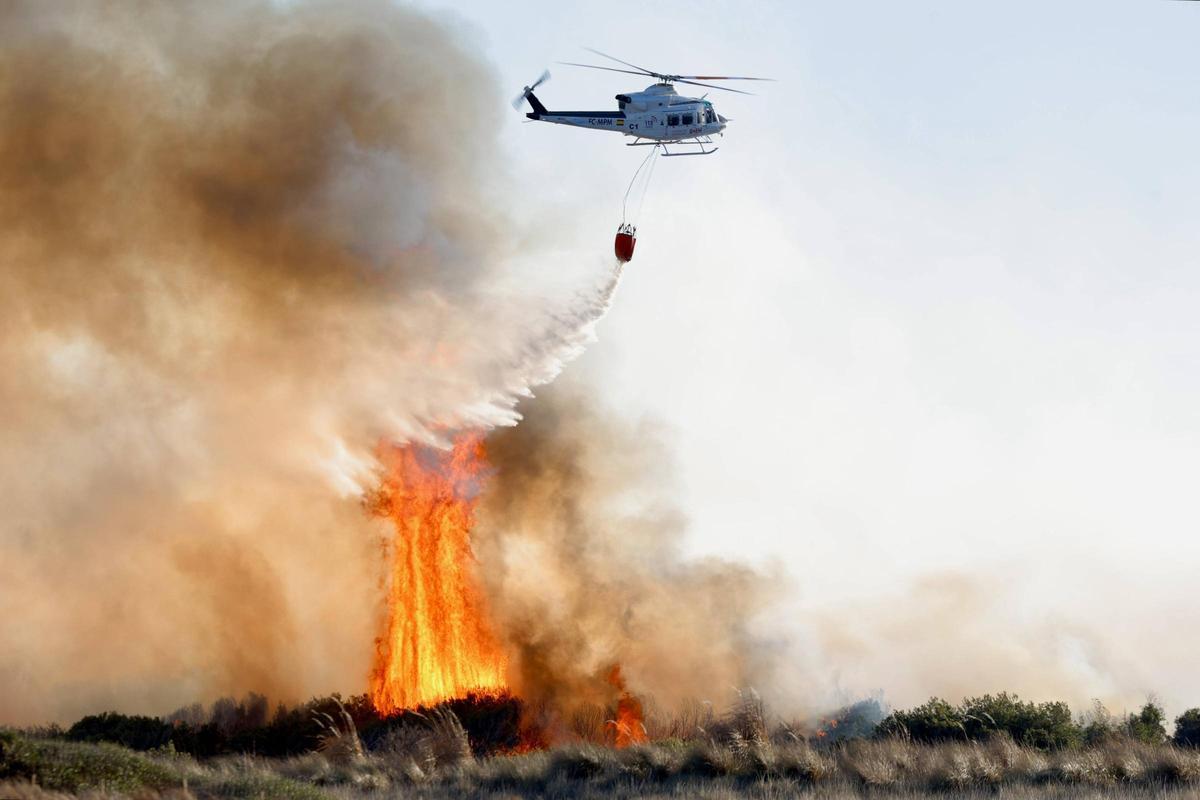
190 715
1187 728
1147 725
236 717
223 714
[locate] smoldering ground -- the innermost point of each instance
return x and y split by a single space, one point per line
240 246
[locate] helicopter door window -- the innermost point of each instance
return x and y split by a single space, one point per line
687 119
673 120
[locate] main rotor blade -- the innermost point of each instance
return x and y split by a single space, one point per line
669 78
619 61
710 86
609 69
720 78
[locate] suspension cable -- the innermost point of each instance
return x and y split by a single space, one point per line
646 160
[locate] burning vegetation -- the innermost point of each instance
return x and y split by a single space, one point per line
540 566
235 262
438 644
629 726
248 295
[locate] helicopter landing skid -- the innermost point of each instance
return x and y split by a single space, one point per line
701 143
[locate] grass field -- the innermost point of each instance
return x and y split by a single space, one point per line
34 767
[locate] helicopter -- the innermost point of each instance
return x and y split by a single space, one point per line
657 116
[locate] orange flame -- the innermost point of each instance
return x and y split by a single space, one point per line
629 727
438 644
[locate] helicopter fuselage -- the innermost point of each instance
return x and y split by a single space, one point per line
657 114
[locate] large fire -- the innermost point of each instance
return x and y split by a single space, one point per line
438 644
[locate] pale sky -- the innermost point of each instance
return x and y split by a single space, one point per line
930 309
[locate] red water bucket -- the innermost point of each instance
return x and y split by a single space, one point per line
626 239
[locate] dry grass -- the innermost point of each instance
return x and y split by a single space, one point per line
734 758
339 742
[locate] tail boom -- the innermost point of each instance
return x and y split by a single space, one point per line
598 120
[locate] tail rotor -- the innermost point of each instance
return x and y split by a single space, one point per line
519 99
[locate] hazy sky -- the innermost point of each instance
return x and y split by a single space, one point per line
929 311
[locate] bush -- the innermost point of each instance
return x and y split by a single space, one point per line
935 721
243 727
1098 726
75 766
231 726
1147 725
1187 728
855 721
492 723
136 733
1045 726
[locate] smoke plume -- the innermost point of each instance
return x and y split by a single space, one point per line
579 545
241 243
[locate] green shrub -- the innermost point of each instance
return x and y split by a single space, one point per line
935 721
1147 725
1045 726
75 766
1187 728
